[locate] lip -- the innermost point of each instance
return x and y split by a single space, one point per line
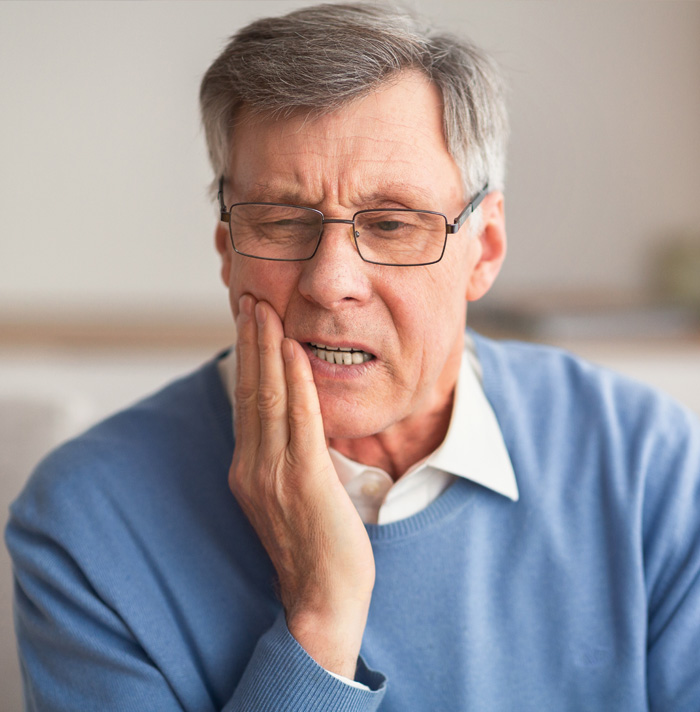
336 371
354 345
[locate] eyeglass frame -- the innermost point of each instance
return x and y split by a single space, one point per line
450 228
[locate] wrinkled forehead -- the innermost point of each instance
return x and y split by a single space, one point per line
393 136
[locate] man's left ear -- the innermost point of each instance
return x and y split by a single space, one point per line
221 240
491 248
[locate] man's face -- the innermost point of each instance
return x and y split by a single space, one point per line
385 150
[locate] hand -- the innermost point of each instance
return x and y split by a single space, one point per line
284 480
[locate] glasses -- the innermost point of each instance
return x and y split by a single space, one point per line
291 233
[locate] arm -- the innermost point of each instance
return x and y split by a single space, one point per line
284 480
672 563
76 652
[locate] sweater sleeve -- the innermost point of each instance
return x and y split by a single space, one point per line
672 564
282 676
76 653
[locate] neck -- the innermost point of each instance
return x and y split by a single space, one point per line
401 446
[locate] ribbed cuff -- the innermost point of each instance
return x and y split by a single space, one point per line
282 676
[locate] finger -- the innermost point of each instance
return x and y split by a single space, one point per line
305 421
246 419
272 386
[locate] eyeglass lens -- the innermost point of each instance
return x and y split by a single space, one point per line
277 232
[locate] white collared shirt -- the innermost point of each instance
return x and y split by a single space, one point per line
473 448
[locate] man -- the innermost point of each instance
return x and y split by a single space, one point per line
414 519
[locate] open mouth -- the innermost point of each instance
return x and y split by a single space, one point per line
339 355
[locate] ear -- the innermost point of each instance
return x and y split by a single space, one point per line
491 248
223 247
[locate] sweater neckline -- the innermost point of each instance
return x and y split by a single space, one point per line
454 499
451 501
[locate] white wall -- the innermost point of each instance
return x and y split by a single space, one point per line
103 173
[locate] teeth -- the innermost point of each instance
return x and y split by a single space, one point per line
342 355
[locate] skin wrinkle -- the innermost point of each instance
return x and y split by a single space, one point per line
342 149
412 318
395 194
352 196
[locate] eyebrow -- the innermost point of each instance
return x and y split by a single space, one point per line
404 193
266 193
401 193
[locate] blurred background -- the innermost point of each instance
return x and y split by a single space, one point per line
109 280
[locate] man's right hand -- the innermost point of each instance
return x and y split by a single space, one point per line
284 480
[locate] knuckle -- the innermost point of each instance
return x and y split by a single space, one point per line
245 420
242 474
245 395
300 412
266 348
303 385
245 350
244 340
237 480
269 400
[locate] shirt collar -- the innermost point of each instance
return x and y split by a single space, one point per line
473 447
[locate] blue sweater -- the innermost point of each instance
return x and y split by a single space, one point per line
140 585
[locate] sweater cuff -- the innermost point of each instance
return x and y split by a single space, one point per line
282 676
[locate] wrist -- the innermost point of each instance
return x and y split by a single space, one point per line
332 636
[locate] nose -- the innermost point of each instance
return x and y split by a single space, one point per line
336 276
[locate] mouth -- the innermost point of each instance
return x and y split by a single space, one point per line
341 355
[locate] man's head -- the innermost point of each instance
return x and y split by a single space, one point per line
345 108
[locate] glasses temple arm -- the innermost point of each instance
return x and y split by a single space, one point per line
473 205
225 214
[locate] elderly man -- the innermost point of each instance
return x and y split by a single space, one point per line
407 518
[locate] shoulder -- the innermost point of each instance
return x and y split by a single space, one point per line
558 385
572 426
131 460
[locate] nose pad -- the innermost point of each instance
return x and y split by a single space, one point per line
353 233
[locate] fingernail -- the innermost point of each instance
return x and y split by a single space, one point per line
260 313
287 350
245 305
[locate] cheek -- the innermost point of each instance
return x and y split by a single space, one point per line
435 304
264 280
429 320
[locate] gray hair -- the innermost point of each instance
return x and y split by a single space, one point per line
320 58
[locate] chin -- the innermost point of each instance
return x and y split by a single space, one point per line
345 433
347 423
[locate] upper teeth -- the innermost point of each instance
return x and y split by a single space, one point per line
340 355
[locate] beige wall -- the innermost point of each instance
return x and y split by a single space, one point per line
103 170
103 180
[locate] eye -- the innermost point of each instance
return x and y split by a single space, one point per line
288 222
387 225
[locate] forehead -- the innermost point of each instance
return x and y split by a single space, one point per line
391 140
